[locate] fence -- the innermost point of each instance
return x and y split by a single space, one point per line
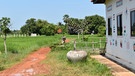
17 35
14 35
93 44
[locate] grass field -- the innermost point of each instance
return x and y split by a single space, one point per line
60 66
20 47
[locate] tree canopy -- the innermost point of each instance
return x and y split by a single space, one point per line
41 27
90 24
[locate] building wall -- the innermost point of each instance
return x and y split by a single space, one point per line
120 48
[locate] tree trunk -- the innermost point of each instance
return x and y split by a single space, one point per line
78 35
82 35
5 44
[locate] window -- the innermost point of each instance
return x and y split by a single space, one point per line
109 8
109 26
132 17
119 25
119 3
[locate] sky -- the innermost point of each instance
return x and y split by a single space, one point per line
51 10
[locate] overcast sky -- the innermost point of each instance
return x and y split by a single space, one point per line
51 10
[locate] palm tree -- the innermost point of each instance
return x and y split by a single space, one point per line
65 18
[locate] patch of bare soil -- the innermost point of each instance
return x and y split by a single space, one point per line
67 40
30 65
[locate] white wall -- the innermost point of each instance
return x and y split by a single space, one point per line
124 54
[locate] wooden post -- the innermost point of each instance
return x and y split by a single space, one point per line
14 35
78 35
100 43
74 44
93 45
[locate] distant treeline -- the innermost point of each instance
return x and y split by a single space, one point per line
89 25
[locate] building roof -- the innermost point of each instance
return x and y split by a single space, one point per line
98 1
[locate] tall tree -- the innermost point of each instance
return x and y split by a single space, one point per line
83 27
94 22
40 24
4 26
31 23
65 18
29 27
48 30
25 30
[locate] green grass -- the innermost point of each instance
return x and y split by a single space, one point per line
60 66
20 47
89 46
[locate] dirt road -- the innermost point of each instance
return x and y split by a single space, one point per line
30 65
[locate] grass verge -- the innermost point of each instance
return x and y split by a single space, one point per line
60 66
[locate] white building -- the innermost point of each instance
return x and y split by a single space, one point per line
120 30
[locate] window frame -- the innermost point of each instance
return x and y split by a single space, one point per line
119 25
131 23
119 3
109 8
109 26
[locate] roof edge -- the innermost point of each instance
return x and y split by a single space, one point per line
98 1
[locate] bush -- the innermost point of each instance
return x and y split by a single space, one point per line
2 67
101 31
85 38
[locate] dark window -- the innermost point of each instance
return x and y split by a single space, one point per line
132 17
109 26
119 25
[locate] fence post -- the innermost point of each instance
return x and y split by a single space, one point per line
93 45
78 35
100 43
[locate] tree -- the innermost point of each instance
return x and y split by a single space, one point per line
4 26
83 27
25 30
48 30
94 22
101 30
31 23
40 24
34 26
71 23
87 25
65 18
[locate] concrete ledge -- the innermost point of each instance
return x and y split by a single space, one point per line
122 62
116 69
